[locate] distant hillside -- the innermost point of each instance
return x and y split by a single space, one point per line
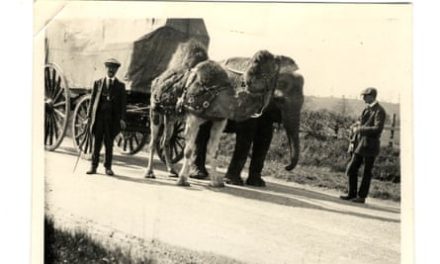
352 107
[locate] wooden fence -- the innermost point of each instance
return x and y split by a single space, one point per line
393 139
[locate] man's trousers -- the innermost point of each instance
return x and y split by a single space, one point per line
103 132
352 172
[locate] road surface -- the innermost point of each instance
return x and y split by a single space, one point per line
282 223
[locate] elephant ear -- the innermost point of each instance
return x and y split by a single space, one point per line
287 64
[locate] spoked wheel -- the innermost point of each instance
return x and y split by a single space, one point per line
129 142
177 144
56 106
82 138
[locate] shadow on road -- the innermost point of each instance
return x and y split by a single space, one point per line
272 196
126 161
325 197
273 193
133 162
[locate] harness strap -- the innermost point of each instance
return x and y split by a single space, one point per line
234 70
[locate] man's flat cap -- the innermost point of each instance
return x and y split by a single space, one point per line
112 62
370 91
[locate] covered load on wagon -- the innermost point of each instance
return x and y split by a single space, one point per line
143 46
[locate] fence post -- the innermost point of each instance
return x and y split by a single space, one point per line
393 126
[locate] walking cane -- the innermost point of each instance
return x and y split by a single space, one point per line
87 140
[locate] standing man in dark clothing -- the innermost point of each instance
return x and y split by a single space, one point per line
366 146
106 114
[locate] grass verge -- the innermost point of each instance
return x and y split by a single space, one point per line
63 246
84 241
326 178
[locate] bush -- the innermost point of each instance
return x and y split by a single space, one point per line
387 165
324 142
324 124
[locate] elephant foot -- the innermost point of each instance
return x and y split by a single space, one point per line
234 181
216 184
172 173
199 174
257 182
183 183
149 175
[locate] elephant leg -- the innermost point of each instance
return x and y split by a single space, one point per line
260 147
216 132
198 167
156 120
245 131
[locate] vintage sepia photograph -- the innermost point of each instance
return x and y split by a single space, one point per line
218 132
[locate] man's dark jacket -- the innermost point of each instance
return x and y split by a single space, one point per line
372 123
117 100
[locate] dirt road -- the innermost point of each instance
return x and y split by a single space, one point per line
282 223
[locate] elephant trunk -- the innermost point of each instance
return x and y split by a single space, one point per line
291 124
289 98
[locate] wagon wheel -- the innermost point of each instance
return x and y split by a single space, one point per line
82 138
129 142
56 106
177 143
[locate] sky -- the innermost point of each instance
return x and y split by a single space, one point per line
340 48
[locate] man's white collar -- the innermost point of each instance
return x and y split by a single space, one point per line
373 103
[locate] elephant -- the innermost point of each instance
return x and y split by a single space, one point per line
285 107
203 91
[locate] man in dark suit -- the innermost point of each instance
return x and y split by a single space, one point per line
366 146
106 114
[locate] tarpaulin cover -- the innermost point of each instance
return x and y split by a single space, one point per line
144 47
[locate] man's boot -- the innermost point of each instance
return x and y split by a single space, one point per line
234 180
109 171
255 180
92 170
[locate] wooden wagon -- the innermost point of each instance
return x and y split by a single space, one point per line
75 51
